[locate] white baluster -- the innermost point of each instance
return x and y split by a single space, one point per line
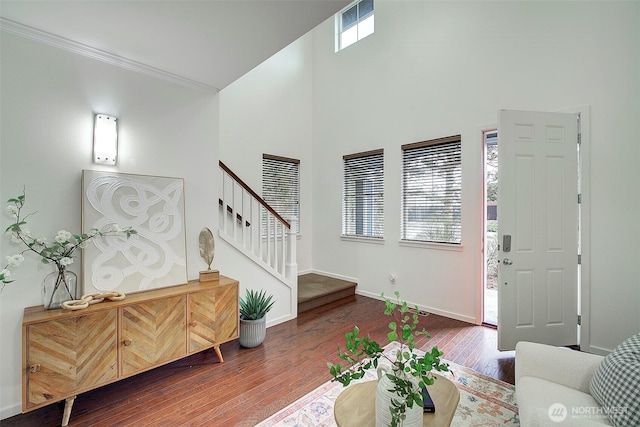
261 233
252 222
243 218
274 257
269 216
223 218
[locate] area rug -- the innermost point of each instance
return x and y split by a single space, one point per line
484 401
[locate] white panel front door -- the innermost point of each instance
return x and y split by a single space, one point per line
538 208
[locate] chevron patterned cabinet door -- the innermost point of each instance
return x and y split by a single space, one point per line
214 316
153 332
61 356
227 313
66 353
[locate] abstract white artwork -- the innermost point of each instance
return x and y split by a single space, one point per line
155 257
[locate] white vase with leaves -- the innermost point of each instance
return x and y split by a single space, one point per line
385 396
399 396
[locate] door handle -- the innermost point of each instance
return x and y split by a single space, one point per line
507 261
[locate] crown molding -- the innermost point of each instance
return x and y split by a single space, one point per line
97 54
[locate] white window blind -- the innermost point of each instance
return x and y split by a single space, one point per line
281 186
363 195
432 191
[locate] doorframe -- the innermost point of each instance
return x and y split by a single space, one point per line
585 227
584 286
481 130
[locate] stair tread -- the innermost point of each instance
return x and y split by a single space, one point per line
315 290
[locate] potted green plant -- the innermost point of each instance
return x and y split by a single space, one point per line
400 387
253 317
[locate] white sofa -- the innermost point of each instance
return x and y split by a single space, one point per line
552 379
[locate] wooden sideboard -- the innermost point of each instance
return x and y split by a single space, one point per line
66 353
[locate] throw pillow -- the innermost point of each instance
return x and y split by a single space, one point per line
616 384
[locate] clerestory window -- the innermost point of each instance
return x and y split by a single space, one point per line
354 23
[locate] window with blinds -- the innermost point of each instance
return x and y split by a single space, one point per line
281 186
363 195
432 191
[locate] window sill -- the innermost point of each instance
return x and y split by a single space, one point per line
431 245
362 239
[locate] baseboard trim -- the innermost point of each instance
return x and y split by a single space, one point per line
432 310
599 350
332 275
10 411
279 320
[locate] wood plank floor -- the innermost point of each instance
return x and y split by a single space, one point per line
252 384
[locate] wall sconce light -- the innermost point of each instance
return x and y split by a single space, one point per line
105 140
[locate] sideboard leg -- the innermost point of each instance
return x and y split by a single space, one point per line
68 404
219 353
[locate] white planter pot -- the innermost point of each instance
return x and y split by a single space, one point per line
252 332
383 402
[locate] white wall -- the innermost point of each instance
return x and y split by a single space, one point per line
268 110
47 105
233 263
434 69
431 69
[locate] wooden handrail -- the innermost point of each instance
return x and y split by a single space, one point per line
253 193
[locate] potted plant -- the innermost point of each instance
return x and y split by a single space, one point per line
253 317
399 396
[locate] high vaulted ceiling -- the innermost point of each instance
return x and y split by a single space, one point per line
209 42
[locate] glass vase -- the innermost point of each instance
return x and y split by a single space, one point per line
58 287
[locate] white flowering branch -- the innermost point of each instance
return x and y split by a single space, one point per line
60 253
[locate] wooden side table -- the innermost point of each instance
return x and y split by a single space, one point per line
355 406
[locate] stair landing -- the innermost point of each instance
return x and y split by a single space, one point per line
315 290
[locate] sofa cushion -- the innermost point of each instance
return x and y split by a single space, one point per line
615 384
537 398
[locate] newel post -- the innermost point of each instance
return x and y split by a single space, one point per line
291 267
292 259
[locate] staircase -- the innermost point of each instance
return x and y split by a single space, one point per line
250 225
315 290
257 231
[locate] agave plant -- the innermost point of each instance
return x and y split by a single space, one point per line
255 305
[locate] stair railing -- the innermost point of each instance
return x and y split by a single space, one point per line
252 226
